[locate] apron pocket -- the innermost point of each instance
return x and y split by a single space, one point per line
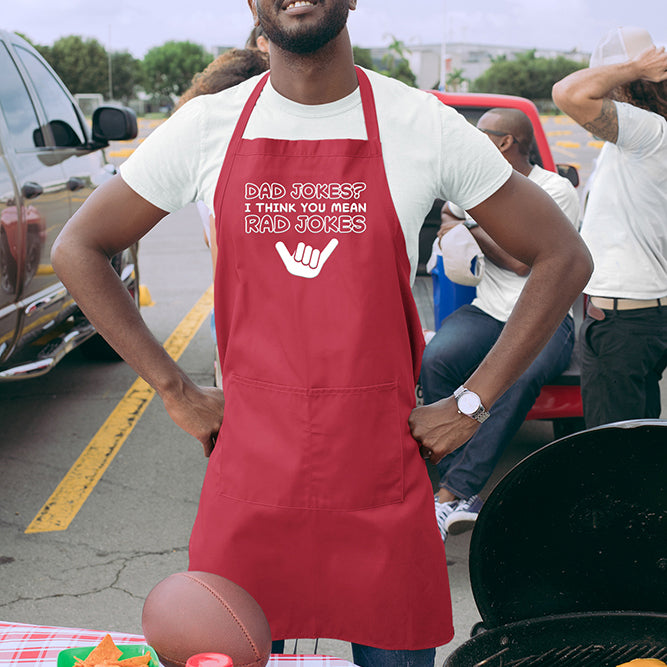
356 444
336 448
262 457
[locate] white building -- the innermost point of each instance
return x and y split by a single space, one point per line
472 59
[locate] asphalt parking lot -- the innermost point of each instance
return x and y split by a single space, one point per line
113 539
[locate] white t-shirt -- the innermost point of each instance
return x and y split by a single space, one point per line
625 222
499 289
429 150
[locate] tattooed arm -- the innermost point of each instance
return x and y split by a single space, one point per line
584 95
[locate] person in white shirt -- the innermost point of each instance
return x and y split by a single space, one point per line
320 175
466 336
622 99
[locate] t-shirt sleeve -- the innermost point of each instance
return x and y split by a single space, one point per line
164 167
639 132
565 195
472 167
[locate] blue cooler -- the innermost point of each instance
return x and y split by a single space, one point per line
447 296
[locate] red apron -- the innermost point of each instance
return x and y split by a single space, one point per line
316 499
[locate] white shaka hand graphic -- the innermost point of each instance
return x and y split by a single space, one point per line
306 262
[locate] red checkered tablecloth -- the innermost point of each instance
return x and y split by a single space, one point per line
39 645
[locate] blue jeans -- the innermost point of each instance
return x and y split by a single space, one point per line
367 656
463 340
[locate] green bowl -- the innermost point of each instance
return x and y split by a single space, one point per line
67 657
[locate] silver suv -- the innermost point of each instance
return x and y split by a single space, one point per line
50 161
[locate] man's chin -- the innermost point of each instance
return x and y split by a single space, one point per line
307 36
303 45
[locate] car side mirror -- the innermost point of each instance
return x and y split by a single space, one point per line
114 123
570 172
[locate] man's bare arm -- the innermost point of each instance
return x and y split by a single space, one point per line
530 226
488 246
113 218
497 255
584 94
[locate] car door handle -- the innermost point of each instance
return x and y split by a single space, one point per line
75 184
30 190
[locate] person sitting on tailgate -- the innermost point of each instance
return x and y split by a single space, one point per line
467 335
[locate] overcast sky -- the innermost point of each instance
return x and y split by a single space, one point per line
138 25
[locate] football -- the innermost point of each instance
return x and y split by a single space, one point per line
199 612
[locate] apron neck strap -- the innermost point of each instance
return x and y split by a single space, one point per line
367 103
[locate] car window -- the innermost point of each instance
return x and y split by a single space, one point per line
473 114
60 113
16 105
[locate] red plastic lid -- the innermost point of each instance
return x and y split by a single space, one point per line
209 660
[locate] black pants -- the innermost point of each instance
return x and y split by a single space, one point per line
622 358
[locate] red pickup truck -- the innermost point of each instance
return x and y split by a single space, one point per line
559 402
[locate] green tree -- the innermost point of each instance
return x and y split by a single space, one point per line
82 64
396 65
455 80
126 75
362 57
526 76
168 69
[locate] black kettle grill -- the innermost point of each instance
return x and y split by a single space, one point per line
568 558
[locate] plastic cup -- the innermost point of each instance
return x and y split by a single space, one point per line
209 660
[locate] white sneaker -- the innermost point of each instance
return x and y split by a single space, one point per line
463 516
442 513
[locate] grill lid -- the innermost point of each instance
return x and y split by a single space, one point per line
578 526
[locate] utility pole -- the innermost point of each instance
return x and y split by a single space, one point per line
110 68
443 49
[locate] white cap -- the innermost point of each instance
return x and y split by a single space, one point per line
620 45
462 258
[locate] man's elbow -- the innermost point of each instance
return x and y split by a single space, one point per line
564 96
580 265
64 253
58 254
557 94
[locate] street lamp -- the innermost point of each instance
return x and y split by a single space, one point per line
443 49
110 68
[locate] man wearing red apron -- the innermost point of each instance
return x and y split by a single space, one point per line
320 345
316 499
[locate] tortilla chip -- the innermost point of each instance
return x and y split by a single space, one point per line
105 652
138 661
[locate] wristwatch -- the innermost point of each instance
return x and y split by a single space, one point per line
470 404
469 223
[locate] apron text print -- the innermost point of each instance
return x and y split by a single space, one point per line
319 208
330 208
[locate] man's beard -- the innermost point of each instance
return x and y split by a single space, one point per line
303 41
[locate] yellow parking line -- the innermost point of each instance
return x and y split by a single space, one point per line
568 144
70 495
123 152
45 270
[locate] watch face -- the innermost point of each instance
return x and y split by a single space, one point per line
468 403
